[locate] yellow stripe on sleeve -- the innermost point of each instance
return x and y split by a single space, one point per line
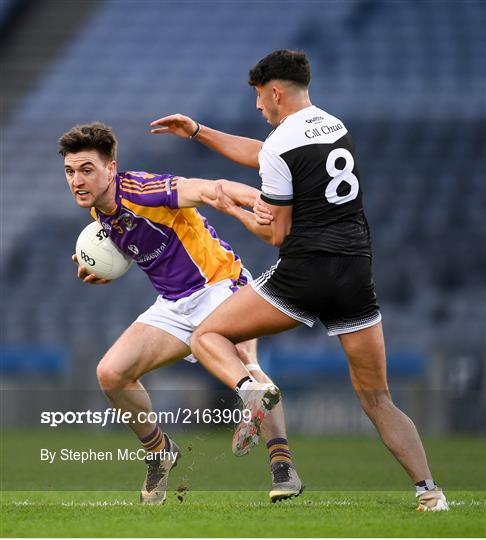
145 191
140 174
141 185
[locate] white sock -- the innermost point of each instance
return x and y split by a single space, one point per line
425 485
243 386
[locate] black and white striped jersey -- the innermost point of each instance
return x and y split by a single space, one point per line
308 161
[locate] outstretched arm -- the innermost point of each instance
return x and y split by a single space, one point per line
277 226
195 191
242 150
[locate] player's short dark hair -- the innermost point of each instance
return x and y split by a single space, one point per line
283 64
95 136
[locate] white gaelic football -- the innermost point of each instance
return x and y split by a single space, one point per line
99 255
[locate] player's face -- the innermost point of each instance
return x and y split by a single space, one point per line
90 176
266 103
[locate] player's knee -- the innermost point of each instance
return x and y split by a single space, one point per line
196 344
108 377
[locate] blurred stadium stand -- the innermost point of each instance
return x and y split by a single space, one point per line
406 77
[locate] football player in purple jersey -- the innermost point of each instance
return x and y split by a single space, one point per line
153 219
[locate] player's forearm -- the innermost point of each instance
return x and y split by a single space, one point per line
264 232
191 191
241 194
242 150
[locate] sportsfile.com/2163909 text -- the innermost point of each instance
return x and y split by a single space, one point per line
116 416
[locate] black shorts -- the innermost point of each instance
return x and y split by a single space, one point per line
337 289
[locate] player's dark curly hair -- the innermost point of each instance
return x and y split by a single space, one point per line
283 64
95 136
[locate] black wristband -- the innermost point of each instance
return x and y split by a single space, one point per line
196 133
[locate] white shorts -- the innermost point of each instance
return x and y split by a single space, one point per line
181 317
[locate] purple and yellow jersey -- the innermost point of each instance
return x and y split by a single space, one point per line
176 247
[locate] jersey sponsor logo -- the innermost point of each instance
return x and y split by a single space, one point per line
133 249
315 120
150 256
323 130
106 226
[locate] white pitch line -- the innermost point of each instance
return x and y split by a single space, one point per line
121 502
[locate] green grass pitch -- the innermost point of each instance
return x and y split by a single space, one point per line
354 488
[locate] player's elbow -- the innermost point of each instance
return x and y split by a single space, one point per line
253 162
279 234
276 242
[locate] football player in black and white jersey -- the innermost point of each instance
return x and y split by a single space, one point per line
311 207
